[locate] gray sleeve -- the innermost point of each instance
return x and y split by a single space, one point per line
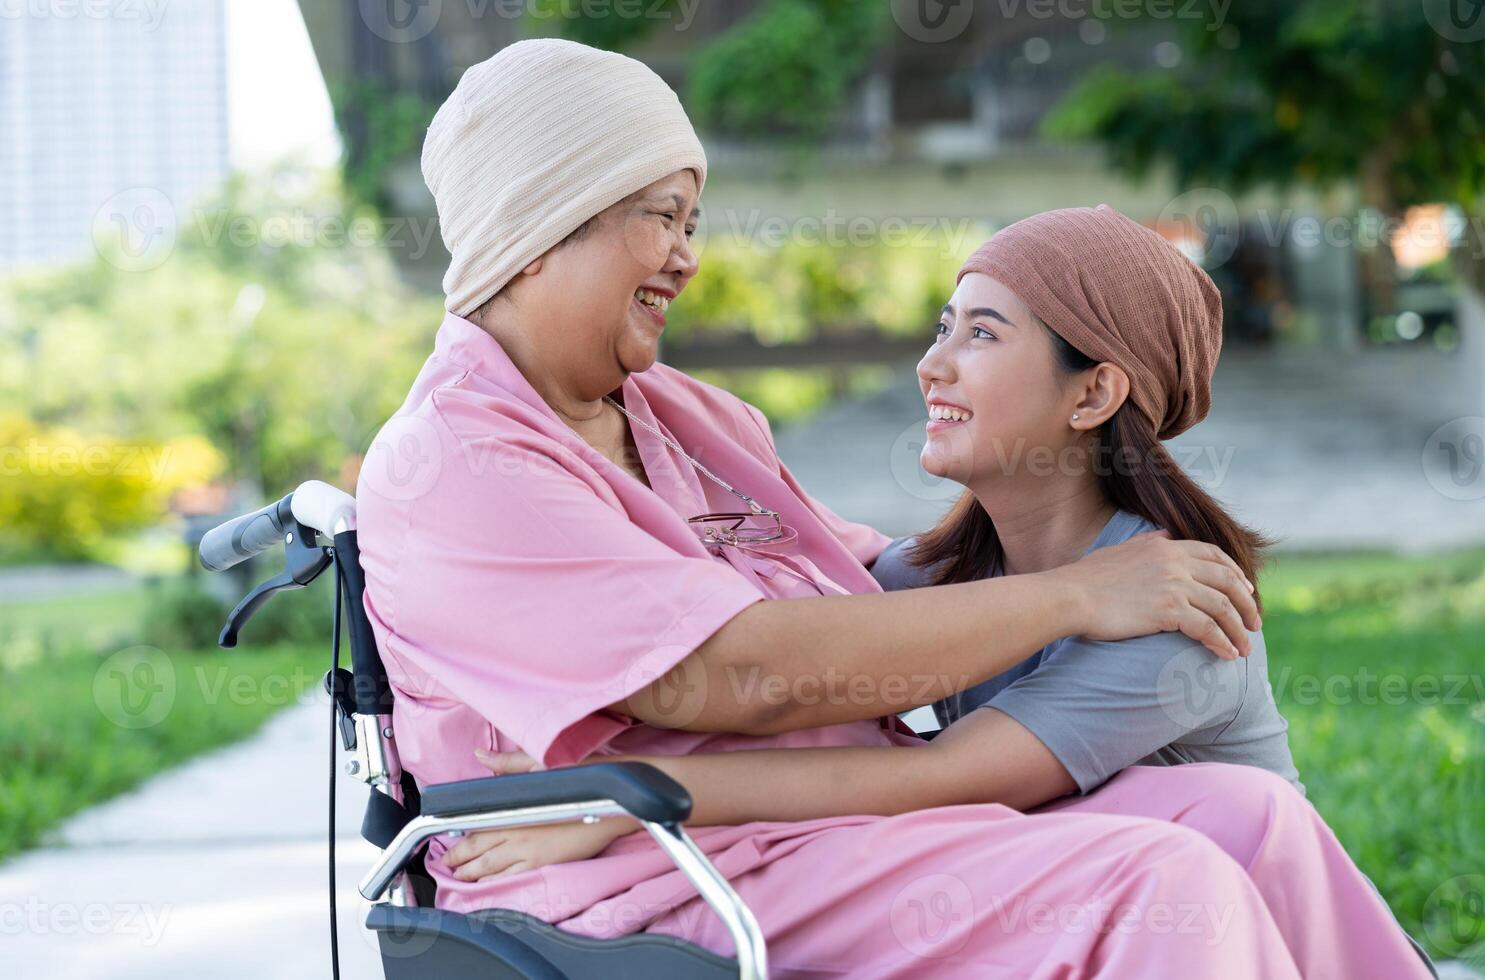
1103 706
892 571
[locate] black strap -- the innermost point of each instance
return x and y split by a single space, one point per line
384 818
370 692
335 717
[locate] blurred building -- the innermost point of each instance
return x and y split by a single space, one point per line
944 124
101 102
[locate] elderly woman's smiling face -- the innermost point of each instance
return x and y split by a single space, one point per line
604 293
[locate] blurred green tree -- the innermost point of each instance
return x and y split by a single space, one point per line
601 25
276 329
785 71
62 493
1384 95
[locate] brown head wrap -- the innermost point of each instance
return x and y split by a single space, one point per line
1120 293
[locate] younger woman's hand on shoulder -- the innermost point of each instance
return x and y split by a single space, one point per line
1153 584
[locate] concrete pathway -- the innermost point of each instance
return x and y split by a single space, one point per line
215 869
45 581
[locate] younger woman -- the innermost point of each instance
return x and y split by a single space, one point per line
1075 341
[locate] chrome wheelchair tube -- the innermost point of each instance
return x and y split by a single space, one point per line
418 830
715 890
742 925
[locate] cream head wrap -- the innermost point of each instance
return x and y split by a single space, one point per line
535 141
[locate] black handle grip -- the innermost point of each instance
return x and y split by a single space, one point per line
243 537
646 792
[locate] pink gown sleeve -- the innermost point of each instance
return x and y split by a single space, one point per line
535 599
863 541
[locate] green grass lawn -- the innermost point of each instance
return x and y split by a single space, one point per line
86 714
1377 661
1379 665
33 629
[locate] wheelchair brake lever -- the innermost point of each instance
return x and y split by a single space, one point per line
304 560
338 685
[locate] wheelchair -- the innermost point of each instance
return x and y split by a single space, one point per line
316 526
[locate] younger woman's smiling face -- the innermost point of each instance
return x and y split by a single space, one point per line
992 386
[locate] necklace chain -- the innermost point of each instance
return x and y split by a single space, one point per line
753 505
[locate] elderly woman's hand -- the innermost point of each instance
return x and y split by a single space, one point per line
493 853
1152 584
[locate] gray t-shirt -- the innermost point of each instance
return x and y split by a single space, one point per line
1157 700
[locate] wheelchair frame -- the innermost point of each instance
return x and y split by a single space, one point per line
401 817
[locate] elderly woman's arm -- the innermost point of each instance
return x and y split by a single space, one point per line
763 672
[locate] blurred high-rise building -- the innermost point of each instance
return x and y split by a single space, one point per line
98 102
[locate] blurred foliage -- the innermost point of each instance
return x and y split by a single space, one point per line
794 394
1303 92
796 291
389 123
604 26
277 331
62 493
1314 91
181 613
787 70
784 71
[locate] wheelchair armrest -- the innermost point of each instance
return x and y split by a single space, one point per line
644 791
579 793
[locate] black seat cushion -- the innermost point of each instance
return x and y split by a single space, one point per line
507 945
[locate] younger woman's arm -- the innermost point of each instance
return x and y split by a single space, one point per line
985 757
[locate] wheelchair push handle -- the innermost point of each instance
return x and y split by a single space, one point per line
243 537
315 505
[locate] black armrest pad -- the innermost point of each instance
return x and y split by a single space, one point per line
646 792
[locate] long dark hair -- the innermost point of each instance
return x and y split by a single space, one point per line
1135 472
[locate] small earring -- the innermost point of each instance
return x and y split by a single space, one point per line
1075 416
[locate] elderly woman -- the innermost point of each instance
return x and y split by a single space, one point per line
568 546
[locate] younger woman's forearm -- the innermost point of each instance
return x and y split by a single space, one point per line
806 784
793 664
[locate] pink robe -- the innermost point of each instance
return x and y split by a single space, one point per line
519 583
